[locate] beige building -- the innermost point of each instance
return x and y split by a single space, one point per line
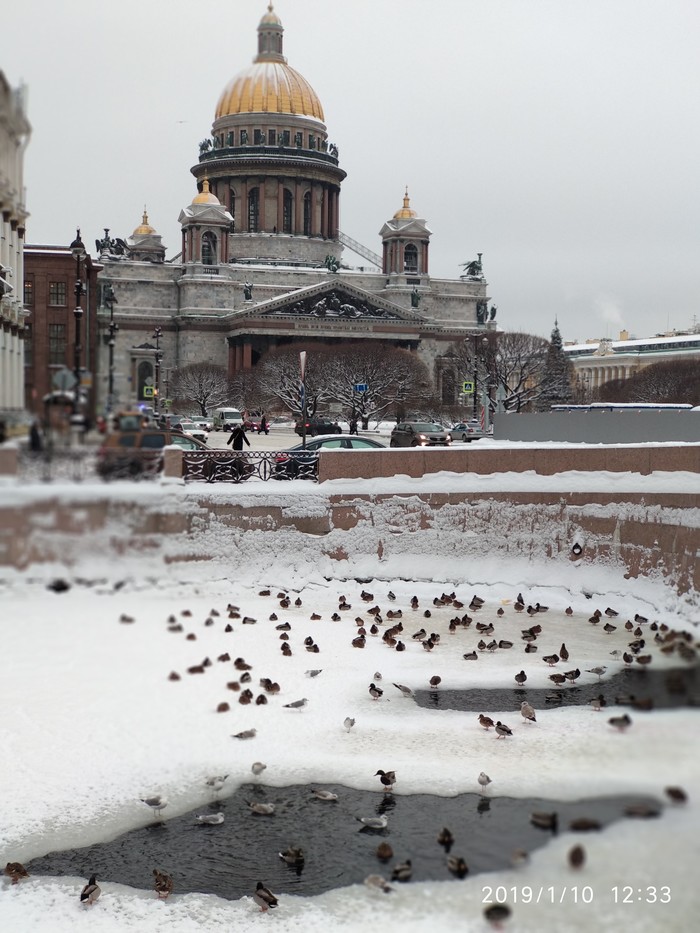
14 136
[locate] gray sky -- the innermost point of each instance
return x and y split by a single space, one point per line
560 138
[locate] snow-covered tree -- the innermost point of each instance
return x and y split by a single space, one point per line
557 375
203 384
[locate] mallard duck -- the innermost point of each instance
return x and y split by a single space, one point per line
15 871
496 915
388 778
486 721
435 681
577 856
527 712
584 824
375 692
324 795
293 856
403 871
373 822
384 852
445 838
544 820
264 897
676 794
471 656
157 803
210 819
550 659
91 891
620 722
457 866
521 678
162 883
261 809
502 730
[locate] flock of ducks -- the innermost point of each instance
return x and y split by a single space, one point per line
393 637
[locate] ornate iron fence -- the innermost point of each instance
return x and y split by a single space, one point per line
214 466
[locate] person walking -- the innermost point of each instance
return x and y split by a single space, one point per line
36 442
238 437
263 428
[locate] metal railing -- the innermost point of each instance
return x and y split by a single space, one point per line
239 467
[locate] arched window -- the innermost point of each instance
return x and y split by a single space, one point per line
448 387
287 207
209 249
232 205
410 258
253 210
143 373
307 214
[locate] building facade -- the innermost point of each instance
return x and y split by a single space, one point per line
14 137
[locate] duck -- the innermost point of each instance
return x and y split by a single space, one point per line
388 779
403 871
435 681
457 866
209 819
375 692
486 721
91 891
530 649
262 809
445 838
545 820
551 659
264 898
675 794
471 656
15 871
621 723
558 679
576 857
521 678
496 915
293 856
572 676
384 852
162 884
502 730
527 712
324 795
563 652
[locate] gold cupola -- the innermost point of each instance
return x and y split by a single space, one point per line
405 212
144 228
205 196
269 85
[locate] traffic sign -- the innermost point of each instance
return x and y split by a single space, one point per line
361 387
148 391
468 388
63 380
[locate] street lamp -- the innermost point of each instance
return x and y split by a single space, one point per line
110 300
480 345
77 248
157 334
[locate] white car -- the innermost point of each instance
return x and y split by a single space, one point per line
203 423
194 430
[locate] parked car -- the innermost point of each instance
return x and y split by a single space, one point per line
226 419
189 427
467 431
316 426
203 423
131 454
419 434
301 463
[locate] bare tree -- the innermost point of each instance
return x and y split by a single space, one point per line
204 384
669 381
278 377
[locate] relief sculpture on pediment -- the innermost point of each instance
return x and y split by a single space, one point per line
335 304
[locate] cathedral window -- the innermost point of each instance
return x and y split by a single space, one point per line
285 137
410 258
271 137
229 138
298 140
312 141
258 137
209 249
307 214
253 210
288 201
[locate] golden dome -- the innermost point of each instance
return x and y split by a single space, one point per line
269 85
144 228
205 196
405 213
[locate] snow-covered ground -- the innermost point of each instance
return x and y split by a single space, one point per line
92 724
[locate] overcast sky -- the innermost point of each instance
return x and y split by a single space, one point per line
560 138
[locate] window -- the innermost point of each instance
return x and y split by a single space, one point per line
29 292
307 214
298 139
28 346
286 135
410 258
209 249
57 294
258 137
229 138
232 204
253 210
312 141
57 344
271 138
287 211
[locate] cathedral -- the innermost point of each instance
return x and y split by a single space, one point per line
263 262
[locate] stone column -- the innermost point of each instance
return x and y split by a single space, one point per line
280 205
298 225
324 211
247 355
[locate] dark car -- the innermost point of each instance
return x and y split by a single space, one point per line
132 454
419 434
316 426
300 463
467 431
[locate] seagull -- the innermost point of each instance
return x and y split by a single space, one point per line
324 795
375 692
314 673
210 819
262 809
348 722
246 734
373 822
596 670
388 779
91 891
502 730
527 712
486 721
257 768
264 897
484 780
162 883
216 782
406 691
403 871
376 882
157 803
377 675
297 704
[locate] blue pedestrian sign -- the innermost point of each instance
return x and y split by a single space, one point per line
361 387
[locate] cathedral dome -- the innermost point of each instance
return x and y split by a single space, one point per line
406 212
269 85
205 196
144 228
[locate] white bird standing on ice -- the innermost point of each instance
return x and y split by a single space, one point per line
157 803
484 780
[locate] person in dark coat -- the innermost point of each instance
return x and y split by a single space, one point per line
263 429
238 437
36 442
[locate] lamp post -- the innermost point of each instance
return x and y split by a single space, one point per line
480 345
77 248
110 300
157 334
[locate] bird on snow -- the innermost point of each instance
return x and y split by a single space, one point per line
563 652
262 809
91 891
324 795
577 856
527 712
377 883
264 897
502 730
406 691
620 722
314 673
373 822
388 779
484 780
15 871
596 670
550 659
496 915
157 803
257 768
435 681
348 722
598 702
375 692
216 782
521 678
403 871
296 704
210 819
162 884
675 794
486 721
